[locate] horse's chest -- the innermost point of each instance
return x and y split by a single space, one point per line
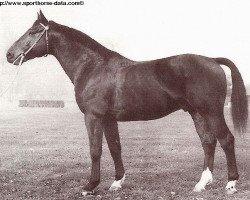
92 101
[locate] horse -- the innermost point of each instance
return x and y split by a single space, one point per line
110 88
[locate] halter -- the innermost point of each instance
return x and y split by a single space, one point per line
22 55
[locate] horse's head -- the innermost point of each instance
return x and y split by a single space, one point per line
34 42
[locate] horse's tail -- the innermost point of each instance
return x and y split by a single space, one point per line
239 100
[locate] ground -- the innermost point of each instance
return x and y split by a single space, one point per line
44 154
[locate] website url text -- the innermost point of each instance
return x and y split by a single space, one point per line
40 3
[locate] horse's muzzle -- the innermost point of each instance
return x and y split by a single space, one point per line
15 60
10 57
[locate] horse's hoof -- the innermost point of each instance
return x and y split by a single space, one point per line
231 191
117 185
88 193
230 188
206 179
114 188
199 188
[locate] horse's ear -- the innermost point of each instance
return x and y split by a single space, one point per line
41 18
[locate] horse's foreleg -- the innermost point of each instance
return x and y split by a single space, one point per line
95 132
113 140
208 141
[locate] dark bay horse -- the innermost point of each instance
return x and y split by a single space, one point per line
111 88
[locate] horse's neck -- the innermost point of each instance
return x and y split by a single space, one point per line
76 51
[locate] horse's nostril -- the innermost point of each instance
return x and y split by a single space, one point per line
9 55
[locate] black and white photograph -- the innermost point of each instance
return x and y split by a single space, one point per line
124 100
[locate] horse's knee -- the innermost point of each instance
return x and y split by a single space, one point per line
208 141
209 148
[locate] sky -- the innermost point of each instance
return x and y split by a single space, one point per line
141 29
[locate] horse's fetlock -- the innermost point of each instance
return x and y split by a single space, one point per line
92 185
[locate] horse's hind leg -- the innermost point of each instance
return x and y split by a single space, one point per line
113 140
208 141
220 129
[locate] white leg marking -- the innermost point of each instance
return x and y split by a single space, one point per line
116 185
87 193
230 188
206 179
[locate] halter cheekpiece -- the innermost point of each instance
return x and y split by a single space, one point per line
22 55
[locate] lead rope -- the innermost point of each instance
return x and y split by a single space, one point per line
21 56
11 83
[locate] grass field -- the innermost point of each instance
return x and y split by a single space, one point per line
44 154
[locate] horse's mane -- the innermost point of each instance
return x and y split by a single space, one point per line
80 37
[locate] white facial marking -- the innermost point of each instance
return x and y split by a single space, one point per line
230 188
206 179
116 185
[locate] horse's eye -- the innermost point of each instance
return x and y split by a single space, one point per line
35 31
32 32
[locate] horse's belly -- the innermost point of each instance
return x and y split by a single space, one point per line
139 108
141 116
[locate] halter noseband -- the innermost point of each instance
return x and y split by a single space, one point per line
22 55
